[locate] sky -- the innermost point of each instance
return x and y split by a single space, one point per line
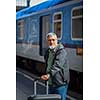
32 2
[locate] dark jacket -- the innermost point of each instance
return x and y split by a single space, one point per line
59 71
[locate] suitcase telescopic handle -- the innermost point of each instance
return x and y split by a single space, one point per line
47 87
35 82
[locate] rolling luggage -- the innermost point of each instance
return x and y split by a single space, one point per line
43 97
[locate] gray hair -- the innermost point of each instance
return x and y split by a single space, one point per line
50 34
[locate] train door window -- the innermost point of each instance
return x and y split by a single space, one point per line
57 23
77 23
44 29
21 29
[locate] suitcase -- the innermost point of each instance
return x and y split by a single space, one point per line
44 96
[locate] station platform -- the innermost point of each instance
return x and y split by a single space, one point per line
25 87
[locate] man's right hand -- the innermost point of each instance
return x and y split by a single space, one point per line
45 77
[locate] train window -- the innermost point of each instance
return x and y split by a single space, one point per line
57 22
57 17
77 23
78 12
21 29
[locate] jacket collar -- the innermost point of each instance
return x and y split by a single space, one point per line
58 47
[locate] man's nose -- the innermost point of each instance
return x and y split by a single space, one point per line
52 41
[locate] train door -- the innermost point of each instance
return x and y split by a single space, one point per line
44 29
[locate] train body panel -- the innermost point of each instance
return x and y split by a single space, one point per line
29 51
32 29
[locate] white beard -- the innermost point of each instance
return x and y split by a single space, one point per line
51 47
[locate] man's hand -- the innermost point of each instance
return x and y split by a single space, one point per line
45 77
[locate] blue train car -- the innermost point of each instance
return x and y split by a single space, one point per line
65 18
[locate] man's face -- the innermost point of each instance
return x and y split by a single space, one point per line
52 41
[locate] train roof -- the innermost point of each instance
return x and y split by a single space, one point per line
36 8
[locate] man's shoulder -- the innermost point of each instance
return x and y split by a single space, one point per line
60 47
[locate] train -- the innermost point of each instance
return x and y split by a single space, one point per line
65 18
